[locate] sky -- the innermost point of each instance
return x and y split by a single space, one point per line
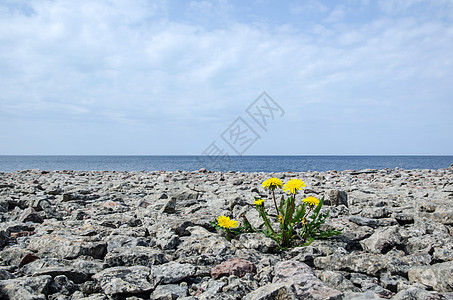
141 77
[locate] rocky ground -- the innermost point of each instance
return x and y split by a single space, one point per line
147 235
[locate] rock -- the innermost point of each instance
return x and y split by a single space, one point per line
361 296
272 291
337 281
438 276
30 215
382 240
167 239
374 223
78 270
35 288
404 218
235 266
169 206
258 242
443 254
66 246
137 256
61 284
123 241
125 280
372 264
4 274
336 197
443 217
414 293
173 272
306 284
305 254
169 292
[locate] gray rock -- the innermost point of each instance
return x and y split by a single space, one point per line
273 291
30 215
336 197
77 270
361 296
372 264
137 256
169 292
169 206
438 276
125 280
443 254
258 242
404 218
414 293
28 288
306 284
61 284
124 241
54 245
373 223
173 272
337 281
382 240
443 217
4 274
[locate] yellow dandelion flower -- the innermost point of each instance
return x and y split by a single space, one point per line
313 201
280 218
259 202
293 185
226 222
272 183
304 221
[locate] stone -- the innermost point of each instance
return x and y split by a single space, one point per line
306 284
258 242
61 284
404 218
382 240
336 198
173 272
414 293
124 241
374 223
438 276
77 270
137 256
443 254
337 281
69 247
36 288
369 295
169 292
367 263
5 275
169 206
272 291
235 266
31 215
443 217
125 280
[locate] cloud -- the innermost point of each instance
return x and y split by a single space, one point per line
158 67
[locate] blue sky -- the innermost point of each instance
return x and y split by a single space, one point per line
143 77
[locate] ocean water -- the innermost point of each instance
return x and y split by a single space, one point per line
11 163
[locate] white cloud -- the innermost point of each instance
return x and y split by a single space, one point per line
136 65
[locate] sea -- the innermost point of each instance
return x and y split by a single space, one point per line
11 163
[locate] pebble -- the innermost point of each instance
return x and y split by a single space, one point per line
148 235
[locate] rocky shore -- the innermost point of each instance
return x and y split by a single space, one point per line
147 235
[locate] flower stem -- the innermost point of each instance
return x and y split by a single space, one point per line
275 202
